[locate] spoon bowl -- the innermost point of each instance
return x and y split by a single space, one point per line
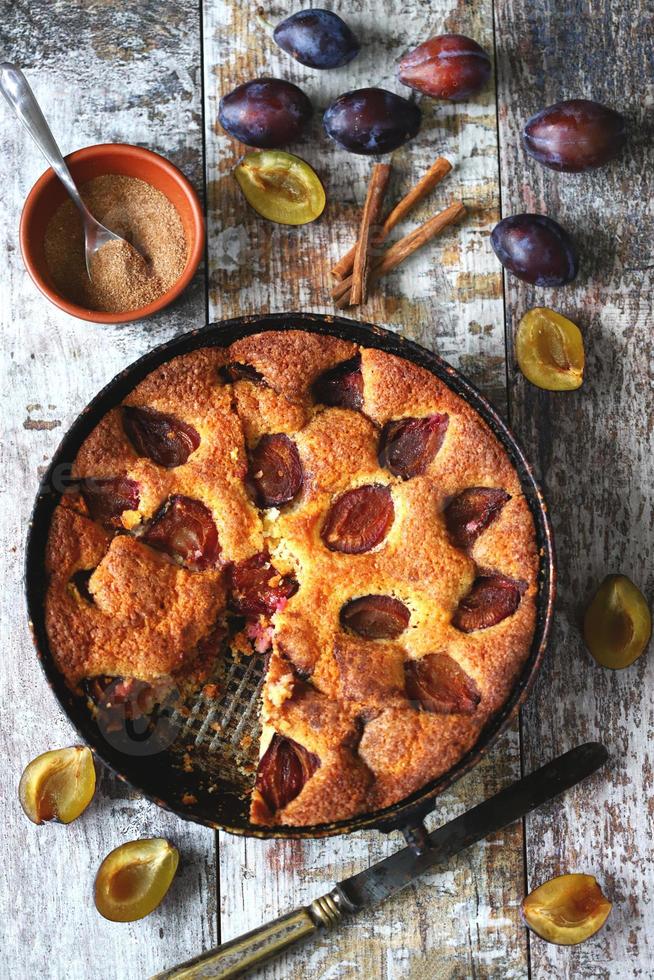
126 160
16 90
96 236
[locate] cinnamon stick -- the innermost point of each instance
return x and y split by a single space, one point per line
439 169
401 250
369 220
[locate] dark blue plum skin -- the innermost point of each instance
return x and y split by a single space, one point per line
574 136
371 120
535 249
266 112
317 39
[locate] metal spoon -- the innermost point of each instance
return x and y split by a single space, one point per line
19 95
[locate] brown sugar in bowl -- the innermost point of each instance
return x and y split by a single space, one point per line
93 161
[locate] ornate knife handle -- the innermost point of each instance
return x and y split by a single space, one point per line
254 948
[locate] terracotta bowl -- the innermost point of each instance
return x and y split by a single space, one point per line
93 161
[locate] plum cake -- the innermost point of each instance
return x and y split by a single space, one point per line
333 508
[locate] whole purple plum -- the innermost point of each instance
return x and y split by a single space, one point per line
574 136
317 38
450 66
536 249
371 120
266 112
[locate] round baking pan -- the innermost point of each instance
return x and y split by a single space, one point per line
192 790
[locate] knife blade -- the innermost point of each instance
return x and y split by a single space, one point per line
379 882
383 879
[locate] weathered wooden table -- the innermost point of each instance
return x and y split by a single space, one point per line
151 73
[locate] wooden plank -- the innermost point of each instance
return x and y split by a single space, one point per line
595 448
450 295
465 922
128 72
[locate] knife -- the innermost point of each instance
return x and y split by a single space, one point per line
379 882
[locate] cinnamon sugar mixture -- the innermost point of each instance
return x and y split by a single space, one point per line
123 279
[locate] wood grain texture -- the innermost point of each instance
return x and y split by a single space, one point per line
448 297
132 71
101 71
595 449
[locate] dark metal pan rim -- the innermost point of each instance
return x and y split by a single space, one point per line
412 809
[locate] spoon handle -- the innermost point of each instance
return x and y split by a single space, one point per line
16 90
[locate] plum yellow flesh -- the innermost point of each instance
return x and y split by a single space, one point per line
280 187
134 878
566 910
58 785
550 350
617 623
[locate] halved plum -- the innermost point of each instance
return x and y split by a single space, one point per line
134 878
280 187
407 446
284 769
257 588
550 350
275 470
237 371
184 529
491 599
341 386
566 910
471 512
108 497
376 617
58 785
617 623
163 438
439 684
359 519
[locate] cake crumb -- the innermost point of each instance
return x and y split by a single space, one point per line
211 691
281 690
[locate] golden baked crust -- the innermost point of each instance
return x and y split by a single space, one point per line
342 706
